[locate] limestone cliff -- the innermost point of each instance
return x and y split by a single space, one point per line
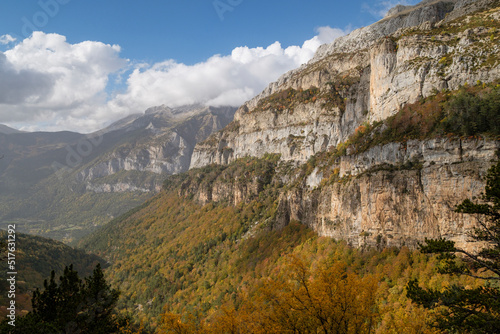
397 193
160 142
363 77
392 194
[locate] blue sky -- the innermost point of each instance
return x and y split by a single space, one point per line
91 62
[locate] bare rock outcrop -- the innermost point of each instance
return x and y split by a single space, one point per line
397 194
363 77
161 142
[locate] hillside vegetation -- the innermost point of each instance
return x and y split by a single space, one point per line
64 211
210 247
236 247
36 257
200 263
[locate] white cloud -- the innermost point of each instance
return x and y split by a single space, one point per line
81 70
6 39
231 79
379 8
56 80
66 83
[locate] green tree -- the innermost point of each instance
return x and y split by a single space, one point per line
58 304
470 113
469 310
99 301
71 306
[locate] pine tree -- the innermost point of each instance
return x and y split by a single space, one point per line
469 310
99 300
71 306
58 304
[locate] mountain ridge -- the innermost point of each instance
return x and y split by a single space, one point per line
413 74
8 130
64 184
370 150
364 85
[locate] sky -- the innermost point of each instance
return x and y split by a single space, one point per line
79 65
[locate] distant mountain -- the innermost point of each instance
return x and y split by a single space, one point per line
64 184
7 130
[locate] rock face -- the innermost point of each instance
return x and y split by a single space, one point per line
119 188
161 141
396 194
170 155
389 195
363 77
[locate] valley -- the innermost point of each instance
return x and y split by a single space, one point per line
64 185
307 209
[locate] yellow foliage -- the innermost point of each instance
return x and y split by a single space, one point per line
329 300
405 319
172 323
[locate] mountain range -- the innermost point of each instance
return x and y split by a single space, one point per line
63 184
401 188
356 156
6 130
372 142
